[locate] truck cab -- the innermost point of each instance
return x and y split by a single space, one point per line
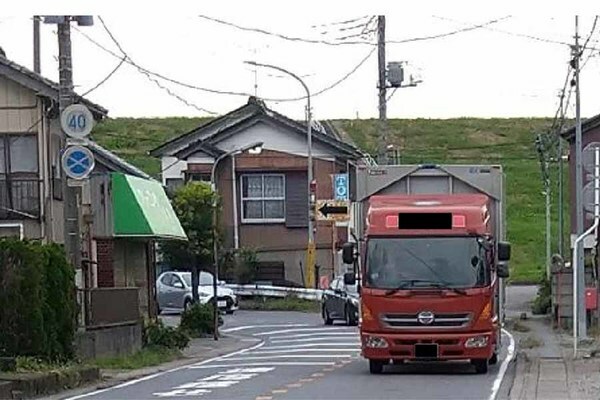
431 267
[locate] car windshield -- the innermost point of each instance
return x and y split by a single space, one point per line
426 262
206 278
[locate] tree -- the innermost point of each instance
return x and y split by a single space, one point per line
193 205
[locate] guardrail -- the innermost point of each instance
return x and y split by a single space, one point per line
275 291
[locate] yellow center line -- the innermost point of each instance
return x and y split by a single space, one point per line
304 380
294 385
279 391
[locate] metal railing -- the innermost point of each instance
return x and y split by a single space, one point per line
275 291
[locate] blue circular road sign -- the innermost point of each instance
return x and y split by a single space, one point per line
77 162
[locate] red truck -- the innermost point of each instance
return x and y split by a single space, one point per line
430 261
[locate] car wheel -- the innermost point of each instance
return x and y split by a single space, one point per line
481 366
187 305
375 366
350 320
326 318
229 312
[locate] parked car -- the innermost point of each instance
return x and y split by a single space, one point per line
340 302
174 292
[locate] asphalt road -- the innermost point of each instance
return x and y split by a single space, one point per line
300 358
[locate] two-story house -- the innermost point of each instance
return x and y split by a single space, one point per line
264 196
116 282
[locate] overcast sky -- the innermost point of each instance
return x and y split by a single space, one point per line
494 71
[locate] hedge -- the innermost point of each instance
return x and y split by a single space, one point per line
37 301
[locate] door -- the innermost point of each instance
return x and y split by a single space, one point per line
177 295
163 291
329 298
340 299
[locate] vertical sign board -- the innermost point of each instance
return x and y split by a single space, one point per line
340 187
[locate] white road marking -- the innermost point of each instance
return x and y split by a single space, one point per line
149 377
322 334
320 329
242 328
357 349
309 339
273 364
310 345
502 371
290 356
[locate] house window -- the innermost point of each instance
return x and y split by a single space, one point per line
263 198
19 176
197 177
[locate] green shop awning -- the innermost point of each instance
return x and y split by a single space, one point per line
141 208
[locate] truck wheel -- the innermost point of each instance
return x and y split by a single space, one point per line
494 359
375 366
481 366
326 318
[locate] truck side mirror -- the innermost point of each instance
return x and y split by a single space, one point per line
502 270
503 251
348 253
349 279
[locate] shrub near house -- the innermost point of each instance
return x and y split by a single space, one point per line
37 301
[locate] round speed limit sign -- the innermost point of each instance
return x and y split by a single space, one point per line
77 121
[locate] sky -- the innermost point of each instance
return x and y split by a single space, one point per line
515 67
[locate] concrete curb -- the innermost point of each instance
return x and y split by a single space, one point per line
29 385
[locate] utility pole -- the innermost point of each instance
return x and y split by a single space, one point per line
36 44
561 218
382 134
71 211
580 324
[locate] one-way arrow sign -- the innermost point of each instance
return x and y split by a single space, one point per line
332 210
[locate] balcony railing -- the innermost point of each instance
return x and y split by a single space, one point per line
19 198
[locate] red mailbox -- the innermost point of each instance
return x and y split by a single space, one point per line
591 298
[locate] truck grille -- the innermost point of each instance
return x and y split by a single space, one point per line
440 320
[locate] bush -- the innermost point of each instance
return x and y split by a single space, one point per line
543 302
246 266
198 320
37 301
157 335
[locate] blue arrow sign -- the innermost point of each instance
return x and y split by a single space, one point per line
340 186
77 162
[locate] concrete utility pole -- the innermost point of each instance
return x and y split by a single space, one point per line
382 128
36 44
72 235
581 320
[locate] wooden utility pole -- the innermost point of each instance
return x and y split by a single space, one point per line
382 127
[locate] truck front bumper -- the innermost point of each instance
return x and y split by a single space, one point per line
428 346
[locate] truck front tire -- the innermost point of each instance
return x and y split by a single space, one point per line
481 366
376 366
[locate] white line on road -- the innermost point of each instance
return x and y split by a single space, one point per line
509 356
355 350
301 335
290 356
241 328
310 345
319 329
149 377
267 364
309 339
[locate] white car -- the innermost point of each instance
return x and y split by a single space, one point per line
174 292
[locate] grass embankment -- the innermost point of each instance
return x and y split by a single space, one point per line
509 142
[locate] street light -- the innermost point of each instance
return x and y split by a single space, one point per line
311 185
254 148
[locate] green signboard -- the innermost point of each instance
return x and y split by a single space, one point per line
141 208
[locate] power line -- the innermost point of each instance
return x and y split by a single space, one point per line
587 41
106 78
223 92
148 74
282 36
443 35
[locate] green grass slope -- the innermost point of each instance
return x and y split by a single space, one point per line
508 142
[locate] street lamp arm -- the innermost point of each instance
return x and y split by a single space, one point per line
285 71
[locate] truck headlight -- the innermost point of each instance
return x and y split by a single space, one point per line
375 342
476 342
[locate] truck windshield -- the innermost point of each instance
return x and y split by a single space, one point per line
404 263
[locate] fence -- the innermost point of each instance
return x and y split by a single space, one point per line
275 291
